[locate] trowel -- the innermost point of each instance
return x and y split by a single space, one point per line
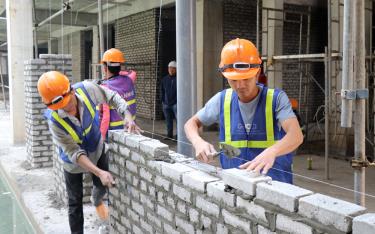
228 150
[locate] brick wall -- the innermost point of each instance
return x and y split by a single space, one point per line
239 20
291 75
136 36
159 191
38 138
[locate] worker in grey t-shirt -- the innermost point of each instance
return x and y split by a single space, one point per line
257 120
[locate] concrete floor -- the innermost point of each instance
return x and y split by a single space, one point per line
35 186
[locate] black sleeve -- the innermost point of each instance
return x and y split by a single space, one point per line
162 90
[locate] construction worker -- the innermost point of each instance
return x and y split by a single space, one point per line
73 122
122 84
168 94
257 120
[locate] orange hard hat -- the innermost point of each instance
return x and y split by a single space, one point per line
239 60
113 56
294 103
54 88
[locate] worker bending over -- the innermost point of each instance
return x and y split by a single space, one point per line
73 122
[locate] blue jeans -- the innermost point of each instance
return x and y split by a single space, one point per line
170 112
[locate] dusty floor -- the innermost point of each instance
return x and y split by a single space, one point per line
36 185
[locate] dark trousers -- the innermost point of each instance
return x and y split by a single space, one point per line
74 188
170 112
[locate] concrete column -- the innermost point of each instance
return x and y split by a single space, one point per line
95 52
272 43
209 45
20 49
53 46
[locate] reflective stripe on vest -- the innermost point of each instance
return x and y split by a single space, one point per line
269 124
67 127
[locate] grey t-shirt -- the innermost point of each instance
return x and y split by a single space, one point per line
210 113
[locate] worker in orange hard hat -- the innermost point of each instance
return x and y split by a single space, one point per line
256 119
73 122
123 84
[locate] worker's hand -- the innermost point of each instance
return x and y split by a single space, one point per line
132 127
261 164
106 178
204 151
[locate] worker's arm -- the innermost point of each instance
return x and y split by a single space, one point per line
203 150
292 139
105 95
104 176
77 155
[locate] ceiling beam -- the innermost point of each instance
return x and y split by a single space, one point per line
70 18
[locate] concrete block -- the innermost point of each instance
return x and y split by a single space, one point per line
125 152
221 229
243 180
207 206
137 230
125 221
263 230
163 212
330 211
288 225
143 185
138 158
137 207
134 140
206 222
161 182
134 216
175 170
197 180
252 209
132 167
281 194
147 227
155 165
181 207
154 149
236 221
193 215
145 200
184 225
182 193
364 224
171 202
145 174
169 229
216 191
179 157
155 220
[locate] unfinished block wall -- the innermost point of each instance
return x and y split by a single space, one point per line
159 191
59 180
38 138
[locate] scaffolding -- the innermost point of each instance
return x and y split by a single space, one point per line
332 62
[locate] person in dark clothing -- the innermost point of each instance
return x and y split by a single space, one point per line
168 93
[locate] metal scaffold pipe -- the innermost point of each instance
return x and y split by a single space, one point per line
100 24
347 64
359 113
187 69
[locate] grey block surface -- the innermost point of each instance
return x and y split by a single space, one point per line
364 224
329 211
281 194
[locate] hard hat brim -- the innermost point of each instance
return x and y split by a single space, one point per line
233 74
61 104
